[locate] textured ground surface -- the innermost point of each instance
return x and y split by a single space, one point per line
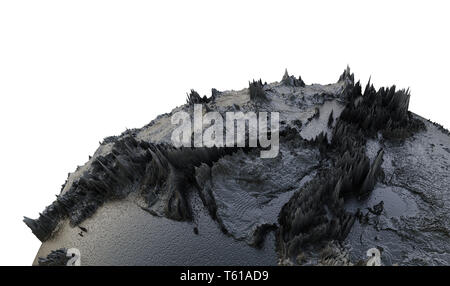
356 170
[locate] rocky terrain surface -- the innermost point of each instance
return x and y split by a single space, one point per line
355 170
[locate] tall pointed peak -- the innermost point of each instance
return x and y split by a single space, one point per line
286 74
347 76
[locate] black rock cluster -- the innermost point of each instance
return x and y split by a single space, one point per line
385 111
316 212
292 81
55 258
108 179
171 174
257 91
195 98
160 172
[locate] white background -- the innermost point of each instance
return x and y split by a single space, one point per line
74 72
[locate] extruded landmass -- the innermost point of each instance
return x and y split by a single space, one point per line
356 170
